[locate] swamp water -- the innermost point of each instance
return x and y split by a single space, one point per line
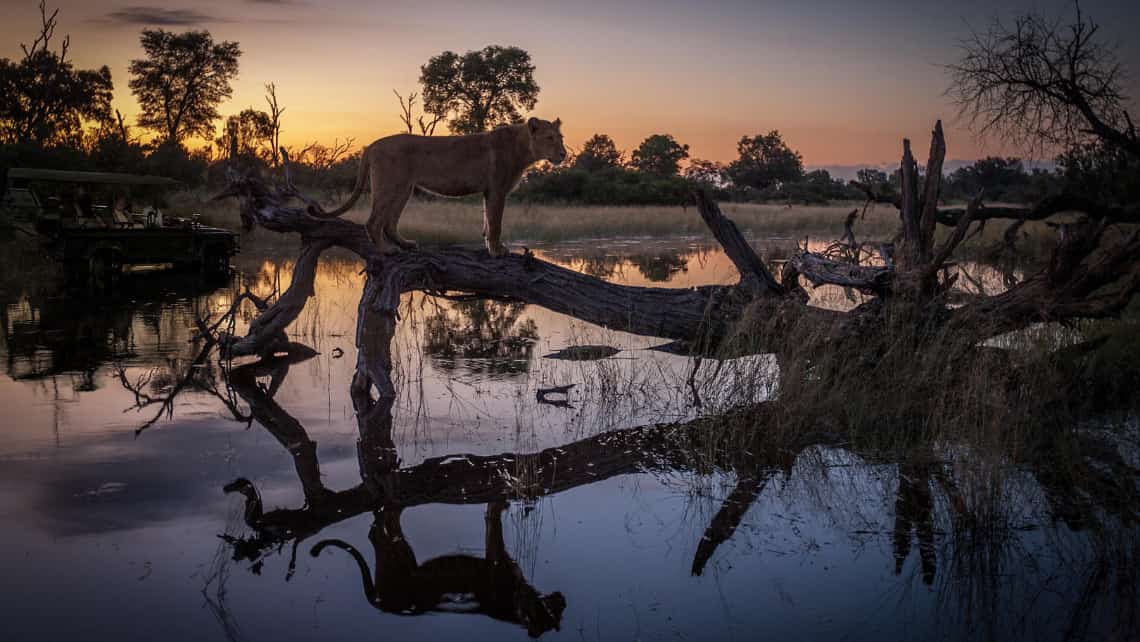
120 439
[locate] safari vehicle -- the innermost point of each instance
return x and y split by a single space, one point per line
98 222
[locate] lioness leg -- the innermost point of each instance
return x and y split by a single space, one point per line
494 550
392 228
388 201
493 204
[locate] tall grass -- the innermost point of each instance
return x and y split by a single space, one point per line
438 222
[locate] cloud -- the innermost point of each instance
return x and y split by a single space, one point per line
144 15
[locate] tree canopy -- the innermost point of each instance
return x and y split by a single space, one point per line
44 100
764 161
598 153
479 89
708 173
660 155
247 134
1042 83
870 177
181 81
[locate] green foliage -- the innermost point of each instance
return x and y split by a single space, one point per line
659 155
598 153
611 186
44 100
1103 171
479 89
872 177
247 135
111 150
707 174
181 82
814 188
175 161
765 160
994 177
32 155
330 171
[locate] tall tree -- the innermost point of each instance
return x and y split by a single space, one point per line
1041 83
706 172
871 177
598 153
995 177
479 89
660 154
44 100
111 147
246 135
181 82
765 159
1107 171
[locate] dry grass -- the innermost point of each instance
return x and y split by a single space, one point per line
439 222
445 222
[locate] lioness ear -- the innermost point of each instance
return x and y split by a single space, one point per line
532 123
558 123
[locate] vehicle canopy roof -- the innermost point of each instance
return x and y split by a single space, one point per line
91 178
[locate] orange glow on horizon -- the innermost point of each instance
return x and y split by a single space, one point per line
835 98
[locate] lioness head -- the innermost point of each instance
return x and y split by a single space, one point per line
546 140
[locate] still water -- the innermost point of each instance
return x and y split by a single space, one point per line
121 439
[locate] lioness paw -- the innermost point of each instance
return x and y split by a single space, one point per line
497 250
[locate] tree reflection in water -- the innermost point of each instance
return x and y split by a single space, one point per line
660 267
982 577
480 336
983 572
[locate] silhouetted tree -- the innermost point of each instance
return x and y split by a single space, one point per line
1107 171
708 173
479 89
995 177
660 155
764 161
111 147
871 177
181 81
246 135
1040 83
407 115
273 137
44 100
598 153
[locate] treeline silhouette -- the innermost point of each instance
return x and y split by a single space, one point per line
55 116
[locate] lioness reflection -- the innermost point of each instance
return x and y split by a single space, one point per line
493 585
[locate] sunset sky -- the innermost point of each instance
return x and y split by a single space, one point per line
843 81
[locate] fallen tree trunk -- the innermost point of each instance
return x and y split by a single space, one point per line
703 313
1078 281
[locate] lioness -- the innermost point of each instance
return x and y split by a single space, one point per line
489 163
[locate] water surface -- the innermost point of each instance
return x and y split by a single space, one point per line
120 435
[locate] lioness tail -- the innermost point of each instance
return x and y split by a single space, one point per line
361 176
